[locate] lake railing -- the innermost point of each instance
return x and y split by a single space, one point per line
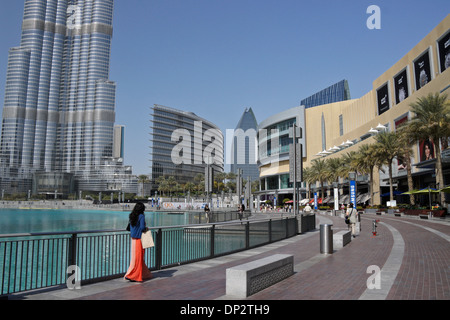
41 260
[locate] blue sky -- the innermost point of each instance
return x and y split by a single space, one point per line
217 57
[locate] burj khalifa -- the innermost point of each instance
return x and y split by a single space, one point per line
59 108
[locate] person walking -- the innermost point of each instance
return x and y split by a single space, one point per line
241 209
352 215
307 209
207 213
137 271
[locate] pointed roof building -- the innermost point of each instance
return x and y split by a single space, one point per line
244 146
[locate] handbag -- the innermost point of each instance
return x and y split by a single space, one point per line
147 240
347 220
347 217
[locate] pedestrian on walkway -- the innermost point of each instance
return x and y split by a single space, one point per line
137 270
241 209
207 213
307 209
352 215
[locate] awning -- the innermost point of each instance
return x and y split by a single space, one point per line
344 199
304 201
423 191
396 193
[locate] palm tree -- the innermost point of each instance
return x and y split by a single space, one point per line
162 184
431 121
189 186
366 162
319 172
332 170
199 180
386 148
308 177
172 184
406 143
220 177
349 163
143 179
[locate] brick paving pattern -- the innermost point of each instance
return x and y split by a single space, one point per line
423 274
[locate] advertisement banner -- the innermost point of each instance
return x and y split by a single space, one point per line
383 98
444 52
401 87
353 192
315 201
422 70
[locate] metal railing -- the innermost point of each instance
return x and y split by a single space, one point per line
40 260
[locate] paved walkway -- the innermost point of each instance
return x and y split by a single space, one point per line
413 256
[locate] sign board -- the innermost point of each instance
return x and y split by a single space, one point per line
315 201
353 192
299 159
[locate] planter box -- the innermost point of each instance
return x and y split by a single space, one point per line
418 212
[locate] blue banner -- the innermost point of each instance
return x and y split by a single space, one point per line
353 192
315 201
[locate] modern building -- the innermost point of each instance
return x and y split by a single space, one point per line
182 144
337 92
274 144
348 124
244 146
59 109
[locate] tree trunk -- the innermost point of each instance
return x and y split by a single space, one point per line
391 187
407 160
439 174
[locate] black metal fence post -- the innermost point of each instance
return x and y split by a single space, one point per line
72 258
211 240
247 235
270 231
158 257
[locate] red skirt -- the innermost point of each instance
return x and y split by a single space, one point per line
138 270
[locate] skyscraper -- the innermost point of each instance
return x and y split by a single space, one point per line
244 146
59 109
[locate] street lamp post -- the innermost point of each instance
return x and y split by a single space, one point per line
295 162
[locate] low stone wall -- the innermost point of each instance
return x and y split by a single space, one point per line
306 222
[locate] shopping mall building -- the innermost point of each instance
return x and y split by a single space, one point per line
333 129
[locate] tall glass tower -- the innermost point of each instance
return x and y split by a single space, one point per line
59 108
244 146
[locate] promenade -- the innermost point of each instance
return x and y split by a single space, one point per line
412 254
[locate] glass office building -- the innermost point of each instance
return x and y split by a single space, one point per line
274 145
181 143
337 92
244 146
59 108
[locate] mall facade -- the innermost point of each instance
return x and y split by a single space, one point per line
333 129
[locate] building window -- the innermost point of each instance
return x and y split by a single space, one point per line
272 183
